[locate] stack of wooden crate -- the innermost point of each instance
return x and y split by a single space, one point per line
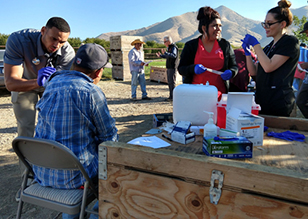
120 46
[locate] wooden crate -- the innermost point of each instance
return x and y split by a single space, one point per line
122 42
180 181
159 74
119 57
121 72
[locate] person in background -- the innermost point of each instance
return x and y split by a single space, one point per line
300 75
136 65
241 80
30 57
302 96
277 62
208 51
73 111
171 56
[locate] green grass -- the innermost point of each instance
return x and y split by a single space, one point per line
107 75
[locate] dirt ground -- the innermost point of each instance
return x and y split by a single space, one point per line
133 118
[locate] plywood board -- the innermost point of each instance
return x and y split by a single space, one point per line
137 194
174 182
289 123
262 179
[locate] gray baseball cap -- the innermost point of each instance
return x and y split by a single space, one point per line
92 56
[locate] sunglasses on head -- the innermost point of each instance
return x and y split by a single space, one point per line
267 24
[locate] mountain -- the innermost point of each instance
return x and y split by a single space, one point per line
184 27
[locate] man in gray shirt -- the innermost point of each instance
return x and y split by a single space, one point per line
28 51
30 57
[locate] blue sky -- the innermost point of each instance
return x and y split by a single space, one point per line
94 17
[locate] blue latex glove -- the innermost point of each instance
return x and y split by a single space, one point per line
250 40
226 75
199 69
44 74
246 49
287 135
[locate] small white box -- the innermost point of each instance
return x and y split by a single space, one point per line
248 125
179 133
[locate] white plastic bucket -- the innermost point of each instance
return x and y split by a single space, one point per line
190 100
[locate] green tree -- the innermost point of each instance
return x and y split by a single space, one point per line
299 24
149 44
180 45
74 41
102 42
3 39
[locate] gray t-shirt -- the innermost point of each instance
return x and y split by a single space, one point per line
22 47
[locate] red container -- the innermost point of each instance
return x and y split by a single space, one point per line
222 114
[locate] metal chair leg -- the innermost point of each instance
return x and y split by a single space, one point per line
19 209
84 200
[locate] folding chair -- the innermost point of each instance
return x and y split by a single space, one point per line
51 154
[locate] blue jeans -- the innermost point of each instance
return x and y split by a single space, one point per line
296 83
138 77
76 216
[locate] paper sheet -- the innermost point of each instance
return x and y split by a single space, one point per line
151 141
145 63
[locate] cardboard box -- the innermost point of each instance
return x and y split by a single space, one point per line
159 119
237 147
248 125
180 133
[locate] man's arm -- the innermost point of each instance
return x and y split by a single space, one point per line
104 123
172 54
15 82
304 65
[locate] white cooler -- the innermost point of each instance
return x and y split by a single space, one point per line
190 100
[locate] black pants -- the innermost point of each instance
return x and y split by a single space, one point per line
171 76
302 99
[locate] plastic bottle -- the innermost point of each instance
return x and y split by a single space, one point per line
210 129
251 86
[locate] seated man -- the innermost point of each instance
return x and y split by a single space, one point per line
74 112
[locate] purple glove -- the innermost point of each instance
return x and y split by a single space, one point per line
246 49
199 69
226 75
250 40
287 135
43 75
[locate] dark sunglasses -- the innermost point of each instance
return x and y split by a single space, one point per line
267 25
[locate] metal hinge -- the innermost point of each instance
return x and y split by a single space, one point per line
215 193
102 163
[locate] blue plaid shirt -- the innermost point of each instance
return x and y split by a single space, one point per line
74 112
